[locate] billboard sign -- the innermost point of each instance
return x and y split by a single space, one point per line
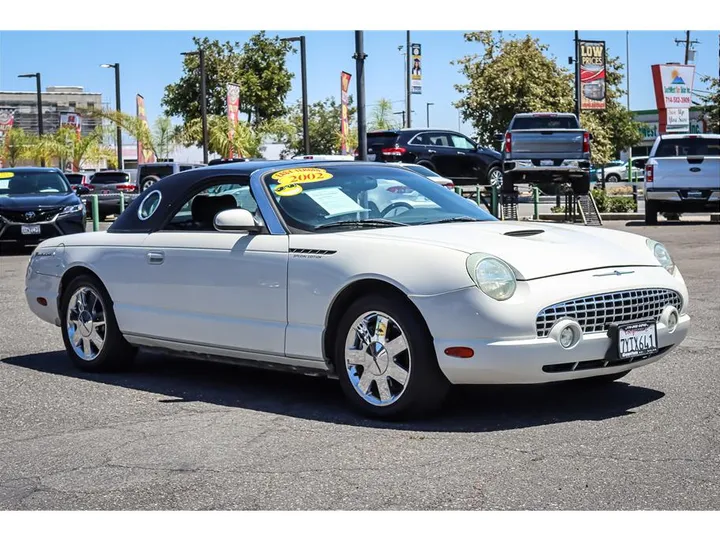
233 113
593 70
416 68
673 85
344 116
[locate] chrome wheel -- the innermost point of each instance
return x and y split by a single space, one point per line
86 324
377 358
147 184
496 177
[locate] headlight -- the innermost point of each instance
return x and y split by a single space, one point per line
73 208
492 276
662 255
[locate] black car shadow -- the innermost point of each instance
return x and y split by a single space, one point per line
672 223
468 408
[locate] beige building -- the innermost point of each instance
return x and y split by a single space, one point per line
55 101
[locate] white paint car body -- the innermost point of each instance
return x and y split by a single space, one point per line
268 297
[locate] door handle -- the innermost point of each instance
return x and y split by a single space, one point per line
431 151
459 152
155 257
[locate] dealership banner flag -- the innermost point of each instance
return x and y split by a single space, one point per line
144 155
233 113
593 72
416 68
73 121
7 119
344 120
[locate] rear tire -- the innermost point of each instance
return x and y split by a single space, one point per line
651 213
388 368
495 176
612 178
89 329
148 182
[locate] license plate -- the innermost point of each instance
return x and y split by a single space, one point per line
371 157
637 339
30 229
695 194
547 162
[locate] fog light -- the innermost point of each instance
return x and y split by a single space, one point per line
672 322
567 337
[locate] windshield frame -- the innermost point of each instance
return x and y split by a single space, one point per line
477 213
57 174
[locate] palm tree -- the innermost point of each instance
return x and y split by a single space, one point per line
134 126
16 146
223 136
382 116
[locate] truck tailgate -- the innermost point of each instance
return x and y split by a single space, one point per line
686 172
557 143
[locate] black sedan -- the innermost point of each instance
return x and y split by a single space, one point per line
36 204
448 153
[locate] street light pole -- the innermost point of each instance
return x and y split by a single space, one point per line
428 113
577 75
36 76
408 92
116 67
303 75
359 57
203 100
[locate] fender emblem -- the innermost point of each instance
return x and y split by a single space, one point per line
615 273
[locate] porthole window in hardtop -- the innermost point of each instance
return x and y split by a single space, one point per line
149 205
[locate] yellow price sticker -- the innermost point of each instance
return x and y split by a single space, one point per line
288 190
6 174
303 175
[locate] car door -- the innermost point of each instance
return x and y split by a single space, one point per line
226 290
470 165
442 155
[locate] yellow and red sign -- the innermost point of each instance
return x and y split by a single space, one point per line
344 117
233 112
593 71
290 180
144 155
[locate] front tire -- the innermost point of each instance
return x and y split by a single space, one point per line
612 178
89 328
385 359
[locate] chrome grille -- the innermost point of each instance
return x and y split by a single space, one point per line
596 313
30 216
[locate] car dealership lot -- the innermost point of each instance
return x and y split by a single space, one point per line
188 435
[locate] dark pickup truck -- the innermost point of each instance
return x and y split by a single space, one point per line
546 149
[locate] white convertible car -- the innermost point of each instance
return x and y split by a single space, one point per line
290 267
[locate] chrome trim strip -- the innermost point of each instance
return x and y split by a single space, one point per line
225 352
662 196
267 211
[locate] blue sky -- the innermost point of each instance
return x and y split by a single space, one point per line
151 59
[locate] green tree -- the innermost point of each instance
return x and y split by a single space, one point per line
711 103
324 128
513 76
16 147
258 66
245 141
65 146
161 141
165 137
509 77
382 116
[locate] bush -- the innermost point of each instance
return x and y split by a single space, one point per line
619 190
557 209
601 200
622 204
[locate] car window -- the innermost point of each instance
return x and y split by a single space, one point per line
544 122
160 171
308 198
110 178
185 167
199 211
74 179
439 139
462 142
688 146
13 183
384 139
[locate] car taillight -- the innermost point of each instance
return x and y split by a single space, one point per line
586 142
128 188
649 173
396 152
399 189
450 185
508 143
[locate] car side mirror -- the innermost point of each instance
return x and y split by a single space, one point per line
499 137
236 219
82 190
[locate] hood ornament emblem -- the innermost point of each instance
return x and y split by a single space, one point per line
615 273
29 215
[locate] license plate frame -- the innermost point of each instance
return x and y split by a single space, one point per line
695 194
621 335
30 230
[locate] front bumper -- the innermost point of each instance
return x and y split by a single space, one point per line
503 335
58 226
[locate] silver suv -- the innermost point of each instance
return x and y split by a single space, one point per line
149 173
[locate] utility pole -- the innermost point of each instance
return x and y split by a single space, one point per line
360 57
407 81
687 42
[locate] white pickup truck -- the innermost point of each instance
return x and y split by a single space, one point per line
682 175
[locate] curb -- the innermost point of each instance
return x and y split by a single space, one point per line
625 216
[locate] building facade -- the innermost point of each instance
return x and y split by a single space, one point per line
56 100
650 128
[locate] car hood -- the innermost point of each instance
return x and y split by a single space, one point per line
556 249
38 200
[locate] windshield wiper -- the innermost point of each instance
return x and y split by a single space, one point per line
452 219
362 223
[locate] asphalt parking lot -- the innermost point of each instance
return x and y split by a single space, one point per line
177 434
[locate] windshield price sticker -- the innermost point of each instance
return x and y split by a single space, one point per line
7 174
290 180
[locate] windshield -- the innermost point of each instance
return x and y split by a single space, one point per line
421 170
32 182
309 198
